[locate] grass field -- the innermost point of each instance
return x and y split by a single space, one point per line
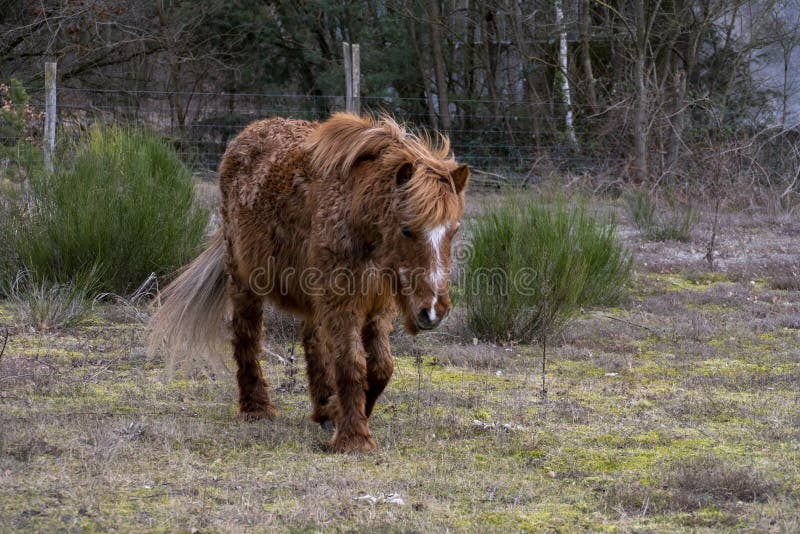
678 410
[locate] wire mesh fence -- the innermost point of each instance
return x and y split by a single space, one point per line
509 137
510 140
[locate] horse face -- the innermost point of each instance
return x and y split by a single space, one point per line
424 272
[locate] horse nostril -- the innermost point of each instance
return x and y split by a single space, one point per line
427 318
424 316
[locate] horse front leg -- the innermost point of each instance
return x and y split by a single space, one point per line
320 372
380 364
352 429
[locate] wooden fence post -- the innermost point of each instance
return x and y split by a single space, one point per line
50 115
352 77
356 79
348 78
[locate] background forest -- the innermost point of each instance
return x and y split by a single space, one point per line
656 91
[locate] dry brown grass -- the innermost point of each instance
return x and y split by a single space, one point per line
785 282
677 411
704 482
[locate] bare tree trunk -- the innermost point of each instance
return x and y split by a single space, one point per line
469 63
438 63
640 113
787 54
681 78
585 56
676 130
533 97
527 58
490 52
458 53
178 113
178 110
692 32
487 56
424 71
563 66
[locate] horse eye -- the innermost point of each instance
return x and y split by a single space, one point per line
406 232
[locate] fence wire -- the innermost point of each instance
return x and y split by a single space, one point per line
513 140
503 137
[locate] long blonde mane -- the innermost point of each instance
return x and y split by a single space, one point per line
429 200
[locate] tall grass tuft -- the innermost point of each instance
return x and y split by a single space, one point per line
47 305
122 206
642 209
677 225
533 267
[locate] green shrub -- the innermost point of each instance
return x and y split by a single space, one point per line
532 267
677 225
121 206
18 119
21 127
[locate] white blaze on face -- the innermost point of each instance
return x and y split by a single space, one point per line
435 237
438 274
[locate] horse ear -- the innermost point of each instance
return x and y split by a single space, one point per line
460 177
404 173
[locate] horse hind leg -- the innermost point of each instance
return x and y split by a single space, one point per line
247 331
320 376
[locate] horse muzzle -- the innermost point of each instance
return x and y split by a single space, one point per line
427 318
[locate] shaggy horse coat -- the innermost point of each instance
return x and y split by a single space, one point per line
343 223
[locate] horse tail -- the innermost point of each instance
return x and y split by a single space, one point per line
190 322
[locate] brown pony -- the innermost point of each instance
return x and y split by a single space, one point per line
341 223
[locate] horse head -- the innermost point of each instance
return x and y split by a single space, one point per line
430 204
407 201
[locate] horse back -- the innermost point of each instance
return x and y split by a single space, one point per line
266 207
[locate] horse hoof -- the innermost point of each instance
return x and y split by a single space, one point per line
352 444
327 425
324 413
268 412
